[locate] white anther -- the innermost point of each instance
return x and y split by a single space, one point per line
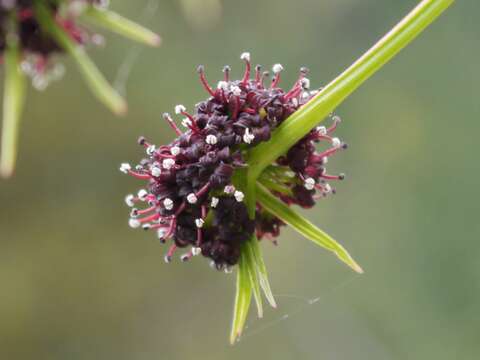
129 200
125 168
134 223
322 130
150 150
245 56
305 83
185 257
336 119
142 194
196 251
239 196
228 270
168 203
161 233
134 213
213 265
199 223
236 91
168 163
180 109
325 160
168 259
295 102
305 95
187 122
248 136
211 139
192 198
222 85
175 150
146 226
156 171
327 188
229 189
336 142
98 39
214 202
309 183
277 68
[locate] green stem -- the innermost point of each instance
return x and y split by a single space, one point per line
99 86
122 26
13 101
306 118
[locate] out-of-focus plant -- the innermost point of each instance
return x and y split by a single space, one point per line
31 31
247 155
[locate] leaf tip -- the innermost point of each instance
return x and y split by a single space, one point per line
234 337
156 40
121 108
356 268
6 171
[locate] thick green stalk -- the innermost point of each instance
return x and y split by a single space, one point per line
94 78
306 118
13 101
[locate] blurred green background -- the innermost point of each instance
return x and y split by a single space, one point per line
77 283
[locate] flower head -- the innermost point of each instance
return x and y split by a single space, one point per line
31 31
193 197
35 42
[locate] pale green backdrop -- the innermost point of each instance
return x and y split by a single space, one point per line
77 283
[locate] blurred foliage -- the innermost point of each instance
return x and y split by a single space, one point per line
77 283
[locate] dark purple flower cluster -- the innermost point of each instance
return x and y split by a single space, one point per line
191 192
35 43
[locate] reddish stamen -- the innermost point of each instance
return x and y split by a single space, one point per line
328 152
139 175
258 74
147 210
172 124
332 177
171 250
152 217
226 73
246 75
275 81
204 81
336 121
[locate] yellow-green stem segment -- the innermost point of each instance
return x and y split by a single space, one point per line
13 101
306 118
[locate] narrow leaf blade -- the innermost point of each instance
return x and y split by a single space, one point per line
13 101
262 271
94 78
114 22
303 226
243 298
253 274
